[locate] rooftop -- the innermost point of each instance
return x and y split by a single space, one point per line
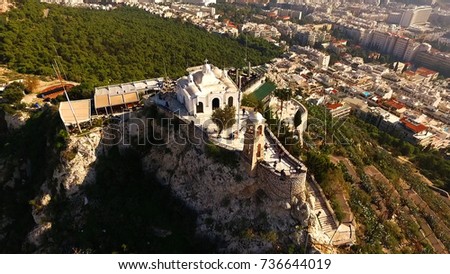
425 72
81 109
392 103
414 126
334 106
137 86
264 90
206 79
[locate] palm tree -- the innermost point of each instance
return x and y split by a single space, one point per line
283 95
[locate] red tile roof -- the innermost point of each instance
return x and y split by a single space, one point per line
415 127
231 25
392 103
55 91
425 72
334 106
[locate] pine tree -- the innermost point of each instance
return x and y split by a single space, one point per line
224 118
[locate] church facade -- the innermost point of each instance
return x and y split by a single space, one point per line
205 89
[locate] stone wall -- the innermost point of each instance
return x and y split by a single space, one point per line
279 188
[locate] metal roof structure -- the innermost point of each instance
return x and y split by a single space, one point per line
81 108
126 93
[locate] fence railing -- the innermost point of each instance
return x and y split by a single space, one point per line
288 156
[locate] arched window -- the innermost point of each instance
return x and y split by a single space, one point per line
258 151
230 101
215 103
200 107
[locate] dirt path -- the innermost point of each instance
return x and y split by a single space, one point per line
350 168
417 172
407 192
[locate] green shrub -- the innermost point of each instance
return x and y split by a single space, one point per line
13 93
221 155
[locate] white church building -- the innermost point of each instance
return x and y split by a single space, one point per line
205 89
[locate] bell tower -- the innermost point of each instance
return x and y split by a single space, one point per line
254 140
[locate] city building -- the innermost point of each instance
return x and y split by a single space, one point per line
434 60
338 110
416 16
409 17
199 2
322 59
414 132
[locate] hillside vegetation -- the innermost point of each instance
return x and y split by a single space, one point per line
114 46
395 210
28 157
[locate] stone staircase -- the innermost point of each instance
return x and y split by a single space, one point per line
326 218
324 215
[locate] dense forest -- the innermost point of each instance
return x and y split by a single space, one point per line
114 46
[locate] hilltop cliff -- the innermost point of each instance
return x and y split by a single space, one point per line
171 197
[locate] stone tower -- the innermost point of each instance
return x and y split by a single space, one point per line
254 140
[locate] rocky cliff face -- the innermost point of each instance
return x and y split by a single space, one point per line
231 208
75 169
10 122
15 121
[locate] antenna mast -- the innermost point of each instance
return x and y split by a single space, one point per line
58 74
238 84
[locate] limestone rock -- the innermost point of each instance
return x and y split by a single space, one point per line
287 206
45 200
17 120
35 236
312 202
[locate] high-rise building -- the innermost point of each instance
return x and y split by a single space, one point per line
373 2
410 51
379 40
399 49
323 60
409 17
199 2
416 16
433 60
394 18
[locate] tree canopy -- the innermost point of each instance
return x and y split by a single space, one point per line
13 93
298 118
250 100
114 46
224 118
